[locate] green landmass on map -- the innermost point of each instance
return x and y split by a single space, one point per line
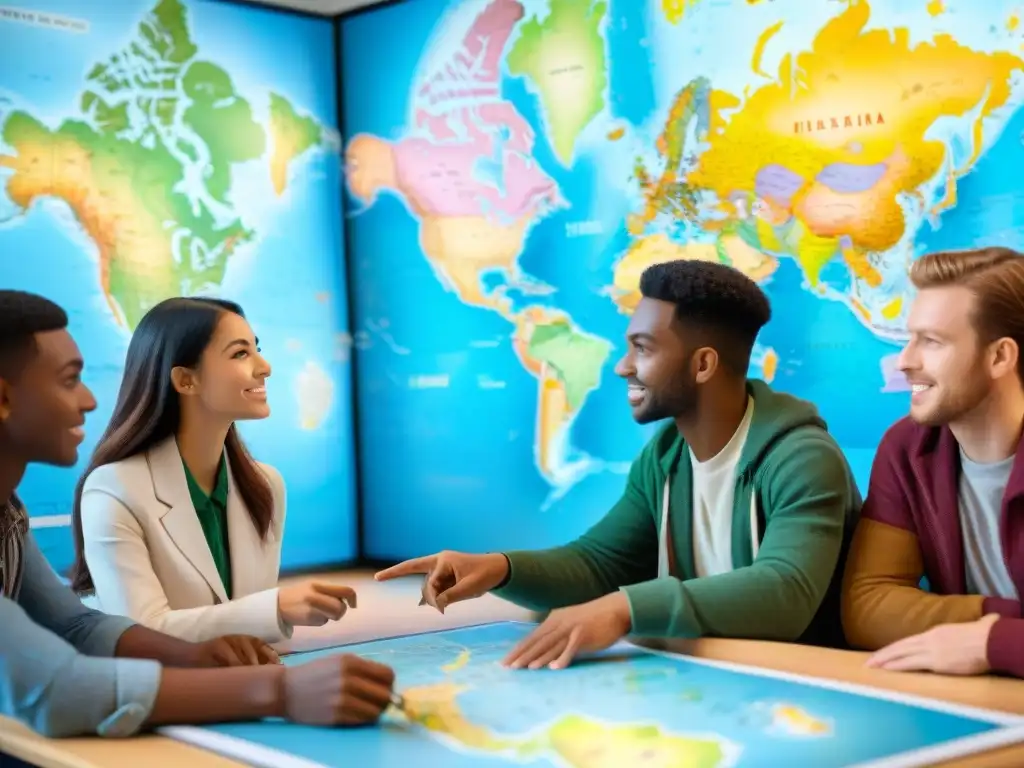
147 163
293 134
564 57
576 357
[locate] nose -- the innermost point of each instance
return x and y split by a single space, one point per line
263 369
907 360
625 367
88 400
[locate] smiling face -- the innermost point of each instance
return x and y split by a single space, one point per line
660 368
951 371
43 410
230 379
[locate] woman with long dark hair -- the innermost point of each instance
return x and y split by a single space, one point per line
175 525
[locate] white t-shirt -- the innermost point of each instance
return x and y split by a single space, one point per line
714 483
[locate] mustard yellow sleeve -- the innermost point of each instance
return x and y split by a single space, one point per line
882 601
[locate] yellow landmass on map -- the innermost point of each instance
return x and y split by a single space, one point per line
435 707
658 248
577 740
769 365
583 742
91 177
839 102
798 722
762 43
291 135
460 661
668 192
675 9
893 309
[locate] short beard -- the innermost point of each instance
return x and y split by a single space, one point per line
678 401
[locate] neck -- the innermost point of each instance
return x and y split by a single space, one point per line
992 431
708 430
11 471
201 445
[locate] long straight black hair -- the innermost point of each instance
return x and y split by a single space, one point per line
173 333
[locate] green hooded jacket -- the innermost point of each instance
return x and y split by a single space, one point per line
794 489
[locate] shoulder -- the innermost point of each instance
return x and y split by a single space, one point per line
273 477
277 487
906 437
807 463
121 479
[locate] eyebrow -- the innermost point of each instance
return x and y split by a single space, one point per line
238 343
641 336
73 366
927 331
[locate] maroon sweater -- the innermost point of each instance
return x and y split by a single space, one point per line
909 528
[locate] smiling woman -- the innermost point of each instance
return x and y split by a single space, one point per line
175 524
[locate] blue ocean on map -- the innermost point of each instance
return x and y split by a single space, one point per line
289 277
495 208
610 710
447 390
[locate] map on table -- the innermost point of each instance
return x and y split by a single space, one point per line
629 707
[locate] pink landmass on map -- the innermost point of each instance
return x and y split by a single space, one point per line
441 179
475 69
470 152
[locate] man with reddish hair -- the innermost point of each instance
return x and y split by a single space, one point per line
946 497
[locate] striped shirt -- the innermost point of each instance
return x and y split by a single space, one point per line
13 528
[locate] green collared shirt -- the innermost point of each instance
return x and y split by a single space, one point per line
212 511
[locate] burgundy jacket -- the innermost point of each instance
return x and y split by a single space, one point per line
909 529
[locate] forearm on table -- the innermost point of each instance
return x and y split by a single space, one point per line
139 642
196 696
882 601
256 614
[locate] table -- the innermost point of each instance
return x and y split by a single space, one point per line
847 666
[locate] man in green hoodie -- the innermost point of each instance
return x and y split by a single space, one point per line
736 516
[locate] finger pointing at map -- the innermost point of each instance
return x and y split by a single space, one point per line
452 576
567 632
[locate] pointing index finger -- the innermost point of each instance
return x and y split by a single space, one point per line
407 568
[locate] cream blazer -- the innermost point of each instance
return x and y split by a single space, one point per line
150 561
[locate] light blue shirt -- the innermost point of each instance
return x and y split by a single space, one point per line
53 674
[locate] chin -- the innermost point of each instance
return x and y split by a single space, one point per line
927 417
61 458
645 416
256 413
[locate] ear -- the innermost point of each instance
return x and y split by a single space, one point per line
184 381
5 400
1003 356
705 363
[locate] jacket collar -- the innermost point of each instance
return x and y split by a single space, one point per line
182 524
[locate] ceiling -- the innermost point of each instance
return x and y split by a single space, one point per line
324 7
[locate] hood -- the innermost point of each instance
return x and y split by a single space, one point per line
776 414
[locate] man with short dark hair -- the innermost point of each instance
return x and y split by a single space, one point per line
946 497
735 516
66 670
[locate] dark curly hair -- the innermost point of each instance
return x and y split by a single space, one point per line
718 302
22 316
